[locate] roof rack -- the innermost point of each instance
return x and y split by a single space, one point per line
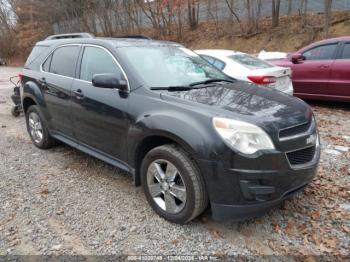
135 37
72 35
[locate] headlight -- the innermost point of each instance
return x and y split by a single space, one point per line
244 137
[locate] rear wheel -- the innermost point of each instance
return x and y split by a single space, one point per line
173 185
37 128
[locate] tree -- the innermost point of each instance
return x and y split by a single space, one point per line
328 15
193 13
253 8
233 13
275 12
290 7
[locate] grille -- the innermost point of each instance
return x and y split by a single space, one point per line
302 156
296 130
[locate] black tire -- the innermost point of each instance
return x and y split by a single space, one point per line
15 112
196 194
47 141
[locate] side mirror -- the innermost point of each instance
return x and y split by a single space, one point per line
297 58
110 81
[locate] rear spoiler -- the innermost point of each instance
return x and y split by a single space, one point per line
72 35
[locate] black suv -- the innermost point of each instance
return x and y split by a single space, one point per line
189 135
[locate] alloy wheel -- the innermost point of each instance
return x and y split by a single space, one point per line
166 186
35 127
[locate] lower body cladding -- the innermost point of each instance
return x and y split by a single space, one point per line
239 194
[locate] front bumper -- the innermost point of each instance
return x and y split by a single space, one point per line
254 186
242 212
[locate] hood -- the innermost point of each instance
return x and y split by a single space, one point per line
259 105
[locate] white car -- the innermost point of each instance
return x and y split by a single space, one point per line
245 67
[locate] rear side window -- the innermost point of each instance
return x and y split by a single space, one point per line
98 61
324 52
64 60
36 52
346 51
250 61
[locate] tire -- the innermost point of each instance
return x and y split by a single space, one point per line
184 178
46 140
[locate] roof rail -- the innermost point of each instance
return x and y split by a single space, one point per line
135 36
72 35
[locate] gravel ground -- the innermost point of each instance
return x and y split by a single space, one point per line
61 201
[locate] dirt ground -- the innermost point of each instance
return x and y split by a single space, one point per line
61 201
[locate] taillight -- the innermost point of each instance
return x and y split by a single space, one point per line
262 80
20 76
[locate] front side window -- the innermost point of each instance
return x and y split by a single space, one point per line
209 59
98 61
346 51
64 60
215 62
168 65
219 64
324 52
250 61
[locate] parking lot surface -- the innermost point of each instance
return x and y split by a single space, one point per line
61 201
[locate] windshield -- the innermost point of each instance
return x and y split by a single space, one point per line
164 66
250 61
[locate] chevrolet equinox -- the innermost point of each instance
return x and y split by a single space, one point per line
190 136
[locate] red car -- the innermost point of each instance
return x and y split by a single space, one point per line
321 70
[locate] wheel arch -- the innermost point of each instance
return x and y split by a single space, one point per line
155 140
27 102
32 91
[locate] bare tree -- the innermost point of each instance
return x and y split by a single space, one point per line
275 12
328 15
253 8
290 7
193 13
303 11
233 13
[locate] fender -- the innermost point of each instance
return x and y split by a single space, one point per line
32 90
195 138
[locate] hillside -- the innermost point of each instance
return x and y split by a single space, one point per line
289 36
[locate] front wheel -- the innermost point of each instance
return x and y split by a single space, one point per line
173 184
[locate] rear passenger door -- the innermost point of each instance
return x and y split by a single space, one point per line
99 114
340 75
56 82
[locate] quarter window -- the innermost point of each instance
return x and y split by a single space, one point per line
46 65
346 51
64 61
324 52
98 61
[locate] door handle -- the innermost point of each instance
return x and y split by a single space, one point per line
324 66
79 94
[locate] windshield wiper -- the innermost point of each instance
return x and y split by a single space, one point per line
209 81
172 88
191 86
